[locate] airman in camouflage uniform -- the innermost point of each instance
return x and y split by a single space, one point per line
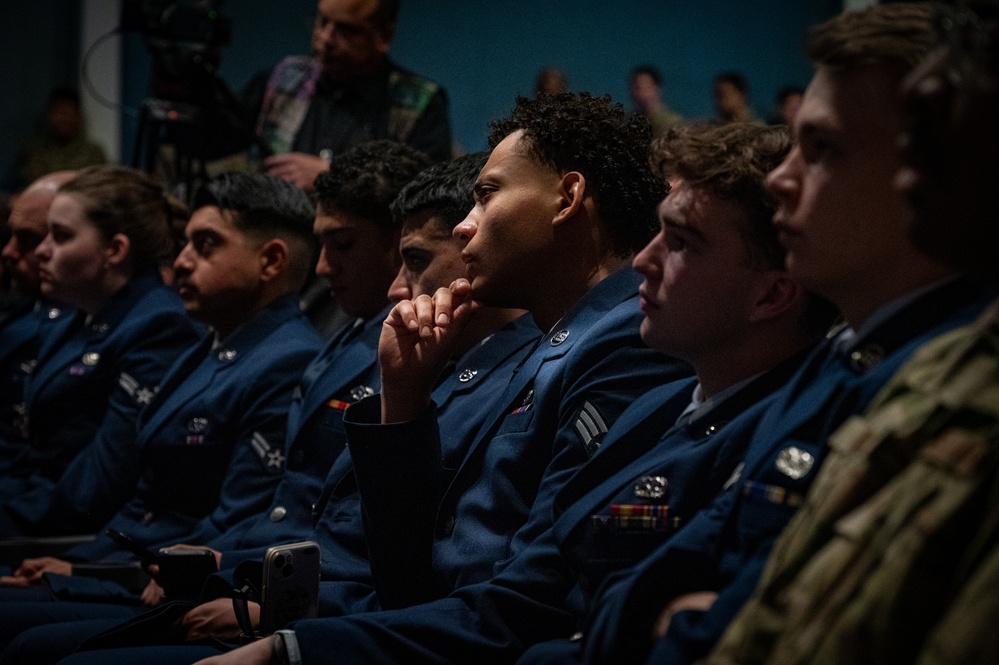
892 559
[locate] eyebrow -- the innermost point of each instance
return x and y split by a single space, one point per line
676 225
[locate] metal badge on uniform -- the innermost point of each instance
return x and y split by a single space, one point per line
360 392
467 375
651 487
272 458
794 462
560 337
866 357
54 312
591 427
227 354
100 327
196 429
28 366
91 358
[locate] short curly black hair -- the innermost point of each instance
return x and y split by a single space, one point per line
366 179
593 135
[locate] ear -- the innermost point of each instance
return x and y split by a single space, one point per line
777 295
385 34
572 191
117 251
274 259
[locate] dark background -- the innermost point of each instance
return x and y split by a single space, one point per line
483 52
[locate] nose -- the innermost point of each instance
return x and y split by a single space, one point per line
399 288
44 249
781 182
10 250
183 264
465 230
323 268
645 262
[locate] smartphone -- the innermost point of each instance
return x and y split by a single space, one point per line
183 572
146 555
290 585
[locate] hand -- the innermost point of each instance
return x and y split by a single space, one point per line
217 619
699 600
297 168
30 572
182 546
255 653
152 594
417 339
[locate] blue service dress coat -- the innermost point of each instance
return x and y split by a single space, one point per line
209 455
21 335
650 475
725 548
210 445
94 376
346 371
454 529
335 521
464 403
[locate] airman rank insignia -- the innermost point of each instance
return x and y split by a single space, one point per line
734 478
141 394
91 358
591 427
794 462
866 357
196 429
272 458
559 337
360 392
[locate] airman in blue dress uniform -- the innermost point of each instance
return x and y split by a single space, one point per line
27 319
208 452
550 232
96 370
844 228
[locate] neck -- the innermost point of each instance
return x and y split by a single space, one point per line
767 346
226 323
860 303
568 284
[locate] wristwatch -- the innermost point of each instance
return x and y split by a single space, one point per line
284 648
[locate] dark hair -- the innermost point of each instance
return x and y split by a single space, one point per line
366 179
386 12
897 35
594 136
444 189
261 203
649 70
731 161
736 80
117 199
64 94
787 92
